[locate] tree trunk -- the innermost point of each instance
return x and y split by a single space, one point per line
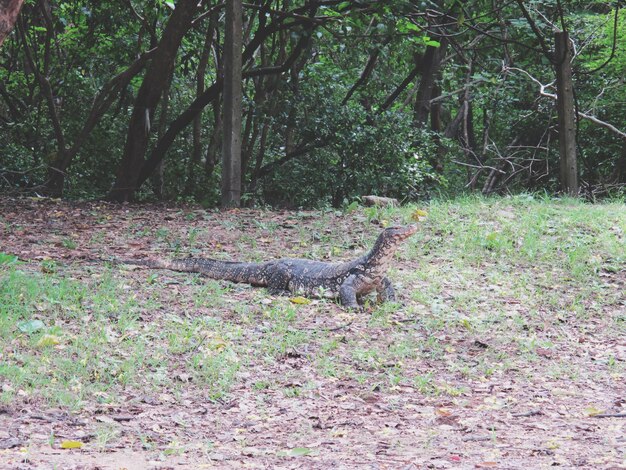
566 114
618 176
213 92
154 83
215 142
9 9
431 63
158 180
231 151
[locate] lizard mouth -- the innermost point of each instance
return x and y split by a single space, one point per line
402 233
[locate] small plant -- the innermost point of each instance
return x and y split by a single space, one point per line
105 434
162 233
6 258
69 243
261 385
424 383
292 392
192 236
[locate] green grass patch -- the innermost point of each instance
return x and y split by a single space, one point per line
488 286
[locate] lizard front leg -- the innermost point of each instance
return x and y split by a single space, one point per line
347 293
385 292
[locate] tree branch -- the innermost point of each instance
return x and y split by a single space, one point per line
580 114
46 90
106 96
533 26
304 148
367 71
409 78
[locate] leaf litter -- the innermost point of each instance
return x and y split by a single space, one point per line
498 378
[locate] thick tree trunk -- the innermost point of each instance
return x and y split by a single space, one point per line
566 114
215 142
154 83
158 180
431 64
618 176
9 9
231 151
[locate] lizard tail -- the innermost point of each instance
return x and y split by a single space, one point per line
234 271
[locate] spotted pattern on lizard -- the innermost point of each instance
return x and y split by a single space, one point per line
349 281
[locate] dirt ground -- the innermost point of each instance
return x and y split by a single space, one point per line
522 414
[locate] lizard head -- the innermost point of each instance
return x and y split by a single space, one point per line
397 234
387 244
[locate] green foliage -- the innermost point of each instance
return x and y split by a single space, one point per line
327 101
362 155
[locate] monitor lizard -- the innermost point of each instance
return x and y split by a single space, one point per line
349 281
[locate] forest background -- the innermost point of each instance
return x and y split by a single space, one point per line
124 99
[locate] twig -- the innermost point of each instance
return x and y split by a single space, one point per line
340 327
197 346
479 166
476 438
406 320
527 414
610 415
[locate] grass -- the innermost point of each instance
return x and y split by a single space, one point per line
493 285
96 341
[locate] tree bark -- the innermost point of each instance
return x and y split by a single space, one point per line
618 176
9 9
431 64
158 180
148 97
566 114
231 150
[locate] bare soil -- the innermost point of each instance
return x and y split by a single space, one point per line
519 415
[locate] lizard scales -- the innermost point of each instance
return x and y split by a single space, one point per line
349 280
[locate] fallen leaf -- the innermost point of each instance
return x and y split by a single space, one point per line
71 445
553 445
130 267
592 411
105 419
218 343
48 340
295 452
418 214
543 352
300 300
10 443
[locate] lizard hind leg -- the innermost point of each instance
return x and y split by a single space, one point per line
385 292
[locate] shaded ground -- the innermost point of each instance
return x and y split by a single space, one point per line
507 350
